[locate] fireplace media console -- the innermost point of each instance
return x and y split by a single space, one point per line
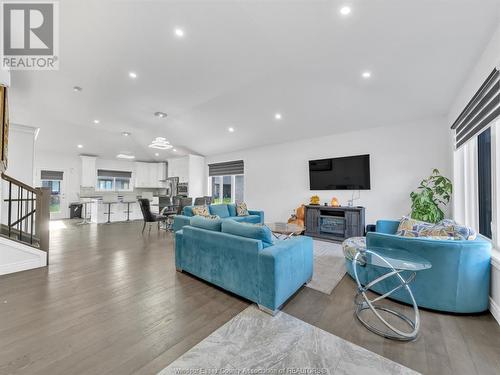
334 223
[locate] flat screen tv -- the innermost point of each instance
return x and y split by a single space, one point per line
346 173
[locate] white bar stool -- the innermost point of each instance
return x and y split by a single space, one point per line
129 198
86 195
109 199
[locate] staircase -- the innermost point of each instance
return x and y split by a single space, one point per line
24 226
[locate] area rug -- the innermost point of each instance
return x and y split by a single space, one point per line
329 266
256 343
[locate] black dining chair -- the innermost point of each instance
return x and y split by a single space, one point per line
148 216
176 202
200 201
186 202
168 210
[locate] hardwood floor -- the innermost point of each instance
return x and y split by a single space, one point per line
447 344
112 303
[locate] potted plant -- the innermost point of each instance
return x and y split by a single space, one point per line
433 194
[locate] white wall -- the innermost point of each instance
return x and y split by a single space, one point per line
197 176
21 153
277 177
4 77
484 65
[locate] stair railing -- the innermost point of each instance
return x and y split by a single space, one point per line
26 215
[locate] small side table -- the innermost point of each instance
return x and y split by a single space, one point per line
395 261
284 231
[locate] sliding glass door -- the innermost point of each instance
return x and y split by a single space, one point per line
227 189
54 181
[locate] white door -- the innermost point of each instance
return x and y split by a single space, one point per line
58 205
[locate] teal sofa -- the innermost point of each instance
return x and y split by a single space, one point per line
458 282
244 260
224 211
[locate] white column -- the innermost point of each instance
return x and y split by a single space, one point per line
89 173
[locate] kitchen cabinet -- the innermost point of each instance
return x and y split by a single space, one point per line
150 175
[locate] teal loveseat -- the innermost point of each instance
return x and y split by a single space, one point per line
224 211
244 260
458 282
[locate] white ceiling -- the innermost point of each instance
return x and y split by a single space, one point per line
239 63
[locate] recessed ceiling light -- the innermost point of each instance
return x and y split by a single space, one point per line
278 116
366 74
179 32
132 75
77 88
345 10
230 130
157 154
174 150
80 146
160 114
96 122
125 134
160 143
125 156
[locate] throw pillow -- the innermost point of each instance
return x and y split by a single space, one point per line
351 246
409 224
201 211
241 209
450 229
408 233
444 230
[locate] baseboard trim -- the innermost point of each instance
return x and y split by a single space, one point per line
21 266
495 310
33 258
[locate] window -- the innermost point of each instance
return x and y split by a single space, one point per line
227 181
484 182
122 183
227 189
113 180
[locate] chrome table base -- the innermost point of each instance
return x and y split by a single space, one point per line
364 303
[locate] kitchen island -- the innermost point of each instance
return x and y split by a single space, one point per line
98 211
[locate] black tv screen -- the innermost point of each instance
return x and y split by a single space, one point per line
347 173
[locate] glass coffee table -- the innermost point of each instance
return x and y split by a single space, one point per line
395 261
284 231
